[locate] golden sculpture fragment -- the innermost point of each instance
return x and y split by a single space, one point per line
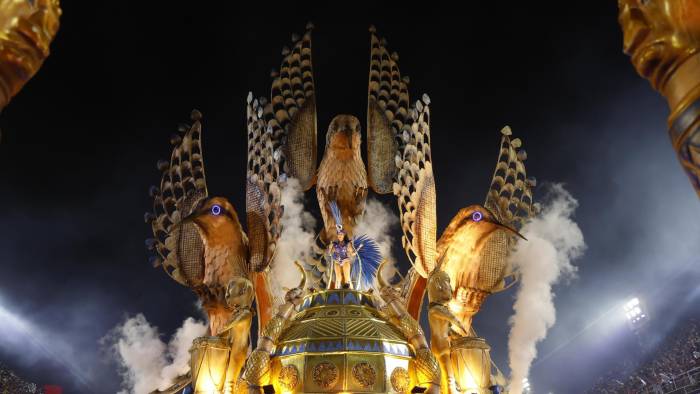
26 31
662 38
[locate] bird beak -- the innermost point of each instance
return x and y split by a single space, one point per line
509 229
348 133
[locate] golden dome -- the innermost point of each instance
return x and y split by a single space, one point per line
339 342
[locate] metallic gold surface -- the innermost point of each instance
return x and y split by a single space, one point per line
443 326
387 110
208 364
474 252
343 344
289 377
364 374
427 368
342 176
340 340
26 30
325 374
258 367
292 110
415 191
471 362
662 38
400 380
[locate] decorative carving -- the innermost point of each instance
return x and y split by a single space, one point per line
400 379
427 368
325 375
289 377
364 374
258 363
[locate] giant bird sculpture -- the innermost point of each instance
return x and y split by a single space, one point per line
199 239
474 247
341 174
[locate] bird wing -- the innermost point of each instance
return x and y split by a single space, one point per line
387 112
183 186
415 190
510 194
263 194
510 199
291 112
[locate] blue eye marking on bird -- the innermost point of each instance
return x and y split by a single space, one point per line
477 216
216 210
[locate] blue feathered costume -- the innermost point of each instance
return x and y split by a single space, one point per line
361 252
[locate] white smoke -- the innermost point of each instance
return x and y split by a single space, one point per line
554 240
377 222
296 240
146 362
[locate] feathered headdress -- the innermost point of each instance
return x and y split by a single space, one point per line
337 216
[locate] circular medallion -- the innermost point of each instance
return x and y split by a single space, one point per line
325 375
289 377
364 374
400 379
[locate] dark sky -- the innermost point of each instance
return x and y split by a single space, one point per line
80 143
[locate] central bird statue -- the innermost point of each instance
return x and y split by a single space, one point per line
342 177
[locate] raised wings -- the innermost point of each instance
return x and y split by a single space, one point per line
263 194
291 112
510 199
510 194
415 190
182 188
387 112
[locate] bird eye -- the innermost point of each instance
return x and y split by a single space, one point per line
477 216
216 210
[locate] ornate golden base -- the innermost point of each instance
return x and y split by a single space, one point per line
339 342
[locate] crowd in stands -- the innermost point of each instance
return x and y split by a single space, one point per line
661 370
12 384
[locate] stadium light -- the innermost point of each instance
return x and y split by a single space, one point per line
526 385
635 312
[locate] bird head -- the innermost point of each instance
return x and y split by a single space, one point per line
472 227
217 221
344 135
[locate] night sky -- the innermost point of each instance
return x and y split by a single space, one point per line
80 143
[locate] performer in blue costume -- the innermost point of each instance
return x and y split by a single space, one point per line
354 261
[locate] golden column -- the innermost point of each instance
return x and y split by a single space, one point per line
27 27
662 38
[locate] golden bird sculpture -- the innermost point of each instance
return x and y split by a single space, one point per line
473 252
341 175
199 239
475 245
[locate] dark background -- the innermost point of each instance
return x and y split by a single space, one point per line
80 143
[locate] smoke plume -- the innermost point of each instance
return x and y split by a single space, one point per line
296 240
554 240
146 362
377 222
